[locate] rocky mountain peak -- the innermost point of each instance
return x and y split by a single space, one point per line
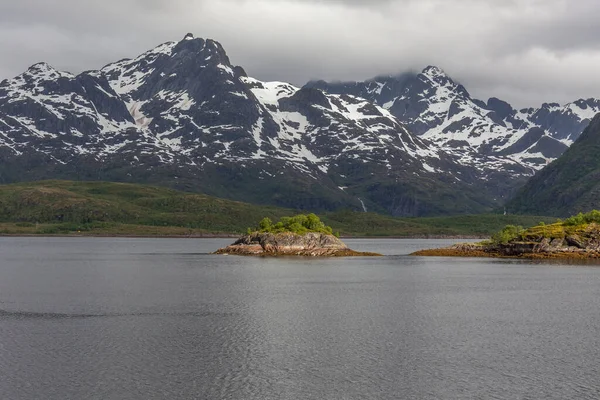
431 71
437 75
41 67
43 70
550 106
310 96
199 52
500 107
443 83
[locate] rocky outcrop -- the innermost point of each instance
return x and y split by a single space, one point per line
290 244
586 244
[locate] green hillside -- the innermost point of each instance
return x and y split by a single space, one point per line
103 208
569 185
100 206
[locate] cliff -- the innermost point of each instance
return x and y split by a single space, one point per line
291 244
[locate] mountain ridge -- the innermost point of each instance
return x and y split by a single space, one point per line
181 115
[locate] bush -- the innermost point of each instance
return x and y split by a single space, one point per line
507 234
575 220
299 224
580 219
265 224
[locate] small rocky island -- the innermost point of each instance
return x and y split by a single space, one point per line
577 237
301 235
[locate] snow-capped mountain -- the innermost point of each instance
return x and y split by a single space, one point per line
182 115
436 108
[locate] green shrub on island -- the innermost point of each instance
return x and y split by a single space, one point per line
508 233
580 219
298 224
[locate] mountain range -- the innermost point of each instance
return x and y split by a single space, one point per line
181 115
434 107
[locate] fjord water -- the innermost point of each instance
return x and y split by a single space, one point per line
85 318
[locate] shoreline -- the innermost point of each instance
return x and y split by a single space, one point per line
476 253
223 236
449 237
207 236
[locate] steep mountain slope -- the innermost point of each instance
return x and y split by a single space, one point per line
181 115
569 185
435 107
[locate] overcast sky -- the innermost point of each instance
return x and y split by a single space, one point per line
524 51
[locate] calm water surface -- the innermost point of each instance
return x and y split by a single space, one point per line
163 319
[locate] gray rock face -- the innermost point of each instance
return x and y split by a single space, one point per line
502 109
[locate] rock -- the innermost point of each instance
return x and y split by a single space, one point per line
544 245
291 244
519 248
576 241
459 250
594 245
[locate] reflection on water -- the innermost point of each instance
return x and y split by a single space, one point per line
155 319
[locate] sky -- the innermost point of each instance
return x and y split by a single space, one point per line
526 52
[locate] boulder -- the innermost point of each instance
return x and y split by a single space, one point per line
576 241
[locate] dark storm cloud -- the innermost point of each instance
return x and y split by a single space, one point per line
526 51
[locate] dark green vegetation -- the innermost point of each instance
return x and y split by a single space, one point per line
298 224
569 185
508 233
63 207
580 219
